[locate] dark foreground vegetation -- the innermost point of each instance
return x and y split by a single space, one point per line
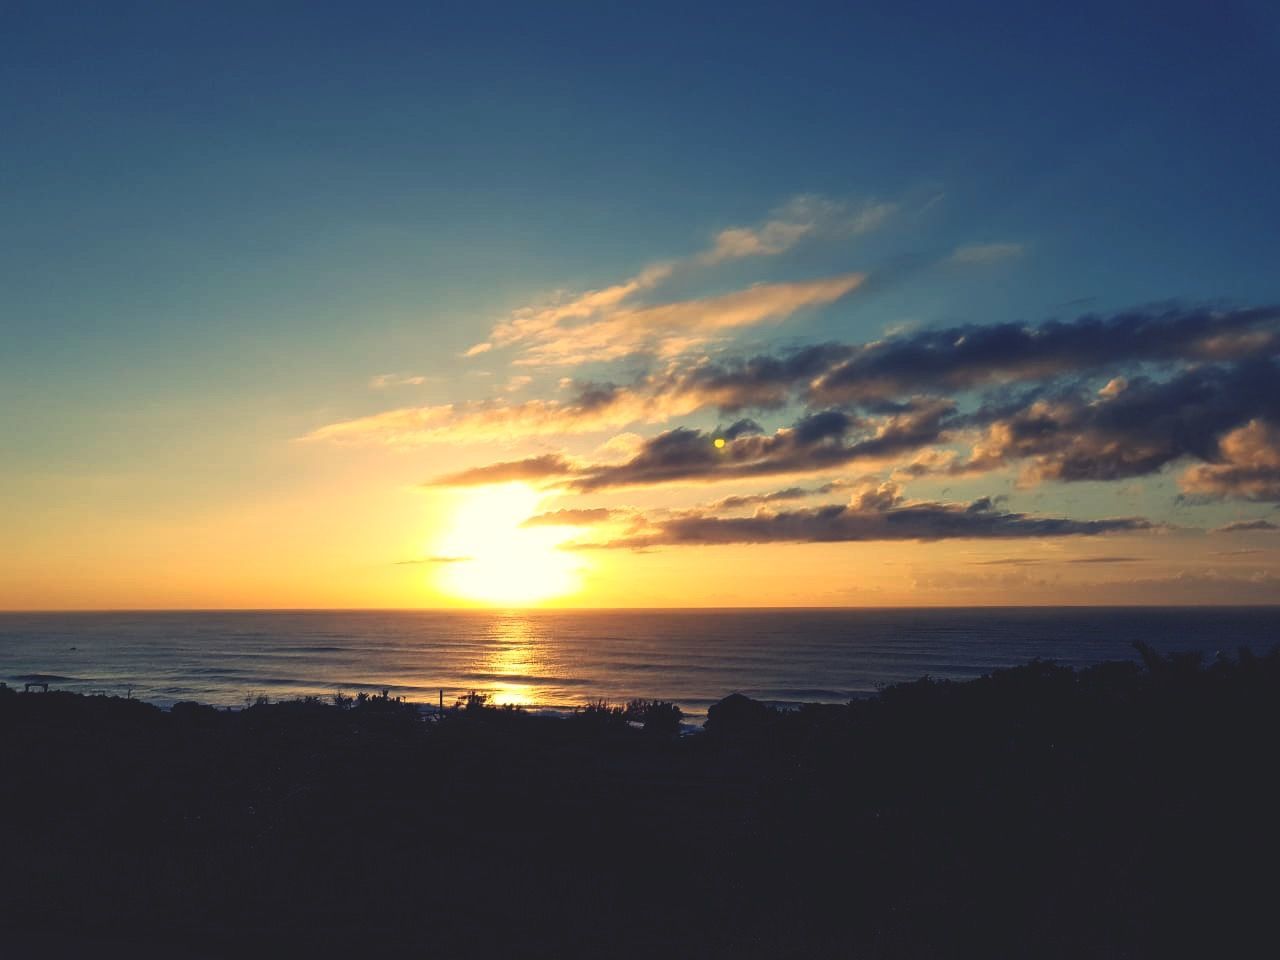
1122 811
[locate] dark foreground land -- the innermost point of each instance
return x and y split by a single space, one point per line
1120 811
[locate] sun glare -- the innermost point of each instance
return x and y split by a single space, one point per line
492 559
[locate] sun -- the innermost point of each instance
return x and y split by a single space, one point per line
492 559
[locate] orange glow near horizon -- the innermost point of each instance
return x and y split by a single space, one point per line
491 559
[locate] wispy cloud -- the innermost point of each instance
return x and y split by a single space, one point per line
438 559
1247 526
594 408
669 329
802 217
384 380
986 252
602 316
1038 561
575 517
531 468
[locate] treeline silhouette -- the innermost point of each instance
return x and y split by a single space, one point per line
1125 810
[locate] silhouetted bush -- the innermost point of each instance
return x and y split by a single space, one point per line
600 713
739 716
472 701
658 718
1122 810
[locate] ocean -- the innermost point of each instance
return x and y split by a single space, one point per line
556 660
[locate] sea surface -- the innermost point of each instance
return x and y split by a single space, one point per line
559 659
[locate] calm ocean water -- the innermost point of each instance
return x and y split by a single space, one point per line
562 659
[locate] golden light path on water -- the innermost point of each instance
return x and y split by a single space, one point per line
513 661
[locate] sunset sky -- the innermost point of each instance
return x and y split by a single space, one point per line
378 305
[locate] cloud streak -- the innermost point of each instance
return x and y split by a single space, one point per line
575 517
876 515
606 319
1247 526
669 329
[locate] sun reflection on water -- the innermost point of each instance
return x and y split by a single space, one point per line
513 660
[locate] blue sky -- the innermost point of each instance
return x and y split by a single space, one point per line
219 224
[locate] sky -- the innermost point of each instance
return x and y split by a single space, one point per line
410 305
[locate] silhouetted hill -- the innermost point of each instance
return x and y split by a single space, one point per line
1118 811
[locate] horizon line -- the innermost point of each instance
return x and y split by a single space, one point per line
651 609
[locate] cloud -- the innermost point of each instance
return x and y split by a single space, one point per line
575 518
531 468
870 376
986 252
802 217
1245 526
967 357
670 329
1248 461
776 236
595 407
533 324
404 563
1186 587
878 515
1072 436
603 315
815 443
384 380
1036 561
757 499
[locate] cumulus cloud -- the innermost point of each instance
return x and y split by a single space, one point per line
1139 430
968 357
1247 464
815 443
